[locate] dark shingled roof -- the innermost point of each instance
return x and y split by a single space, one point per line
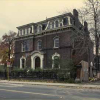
59 16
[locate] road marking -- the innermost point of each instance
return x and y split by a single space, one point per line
11 85
30 92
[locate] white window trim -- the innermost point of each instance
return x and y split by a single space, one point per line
54 41
55 23
60 22
56 54
22 46
67 22
38 45
34 56
21 61
25 31
38 28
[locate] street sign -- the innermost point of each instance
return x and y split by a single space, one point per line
8 64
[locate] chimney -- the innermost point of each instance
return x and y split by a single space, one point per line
85 26
75 13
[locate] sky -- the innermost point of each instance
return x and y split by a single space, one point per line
14 13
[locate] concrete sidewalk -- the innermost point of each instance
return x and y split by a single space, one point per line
67 85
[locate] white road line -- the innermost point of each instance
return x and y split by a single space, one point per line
10 85
30 92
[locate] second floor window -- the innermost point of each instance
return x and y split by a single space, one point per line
24 46
56 42
39 45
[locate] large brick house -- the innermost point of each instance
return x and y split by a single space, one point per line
38 45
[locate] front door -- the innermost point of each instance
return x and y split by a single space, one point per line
37 63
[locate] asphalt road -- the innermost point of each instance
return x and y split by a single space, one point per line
39 92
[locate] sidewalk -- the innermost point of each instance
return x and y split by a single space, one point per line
67 85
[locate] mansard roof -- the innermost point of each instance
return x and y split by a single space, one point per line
48 19
25 25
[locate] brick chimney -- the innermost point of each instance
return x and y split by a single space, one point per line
75 13
85 26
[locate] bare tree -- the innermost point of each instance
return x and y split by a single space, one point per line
91 13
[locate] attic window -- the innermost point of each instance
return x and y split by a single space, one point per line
43 26
65 21
20 32
30 29
52 24
56 23
39 29
24 32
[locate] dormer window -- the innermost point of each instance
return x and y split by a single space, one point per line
52 24
30 29
65 21
35 29
56 23
23 31
60 24
39 28
43 26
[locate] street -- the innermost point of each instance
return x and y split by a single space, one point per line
38 92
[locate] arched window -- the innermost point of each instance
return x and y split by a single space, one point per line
39 45
65 21
56 23
56 42
56 60
22 62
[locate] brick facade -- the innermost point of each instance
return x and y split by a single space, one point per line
47 36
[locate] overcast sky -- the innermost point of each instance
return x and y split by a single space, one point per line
15 13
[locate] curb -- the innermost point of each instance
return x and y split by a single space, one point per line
56 84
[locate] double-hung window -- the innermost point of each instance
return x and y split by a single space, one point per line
39 45
24 46
56 42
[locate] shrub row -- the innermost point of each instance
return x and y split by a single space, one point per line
58 74
53 74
